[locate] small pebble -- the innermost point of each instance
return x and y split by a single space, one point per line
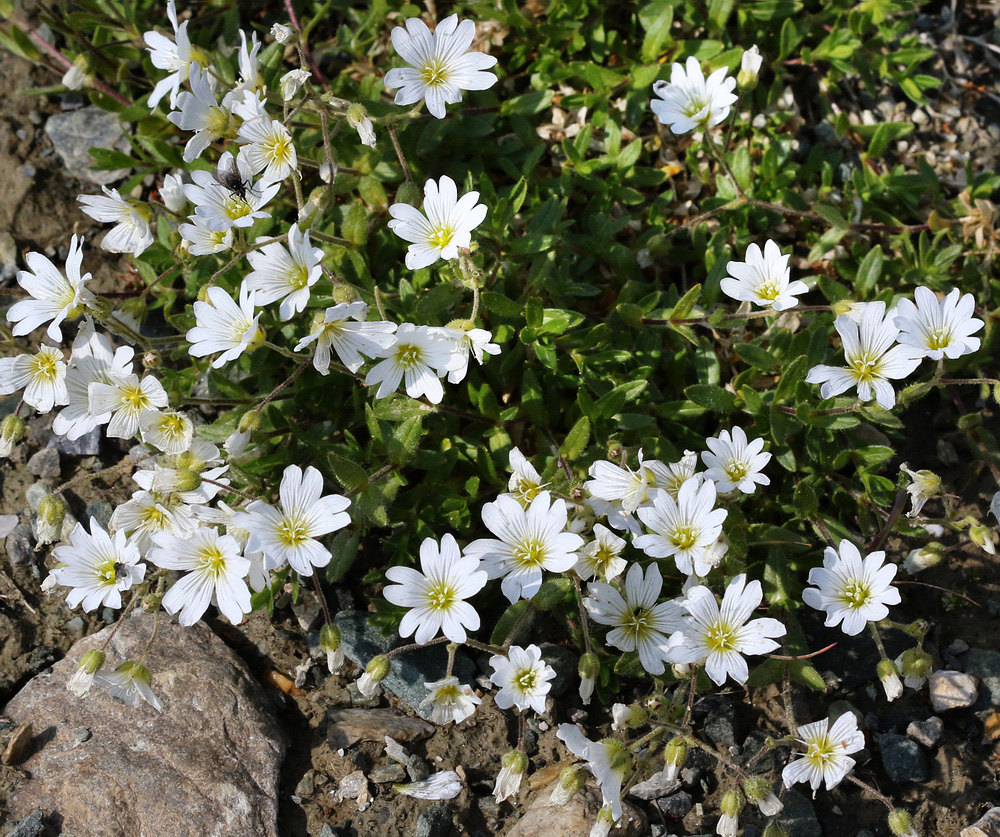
952 690
957 646
926 733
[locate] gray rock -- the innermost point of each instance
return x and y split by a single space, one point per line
348 726
903 759
8 256
32 825
20 545
986 666
74 134
656 786
306 786
35 493
720 725
575 818
987 826
353 787
410 670
926 733
89 444
45 464
387 773
798 817
565 664
417 768
207 764
951 690
676 805
99 510
434 821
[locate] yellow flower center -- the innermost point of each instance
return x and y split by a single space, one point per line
434 73
172 425
529 553
769 289
637 622
939 338
293 531
720 637
856 594
821 751
236 208
153 518
134 398
107 572
212 560
45 367
736 470
409 355
280 149
684 538
866 368
448 695
440 237
604 556
300 278
441 596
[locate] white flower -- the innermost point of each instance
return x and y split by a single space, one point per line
170 432
204 241
251 78
617 491
850 589
131 233
445 228
281 33
445 784
441 65
97 567
359 120
677 473
289 535
513 766
529 542
146 514
348 339
474 341
89 668
888 675
734 463
269 150
130 683
172 192
42 376
291 83
608 760
76 77
750 64
285 274
602 556
128 399
939 328
685 528
54 297
418 357
436 594
215 574
827 752
639 622
93 359
872 359
918 560
220 207
167 55
721 636
223 326
200 112
450 700
925 484
523 677
689 100
525 482
763 279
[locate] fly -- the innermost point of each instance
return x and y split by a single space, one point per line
232 180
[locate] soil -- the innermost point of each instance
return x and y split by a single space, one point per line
38 209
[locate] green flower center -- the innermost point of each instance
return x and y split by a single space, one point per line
939 338
769 289
684 538
293 532
434 73
720 637
409 355
236 208
637 622
856 594
527 680
530 553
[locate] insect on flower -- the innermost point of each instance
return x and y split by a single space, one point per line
231 179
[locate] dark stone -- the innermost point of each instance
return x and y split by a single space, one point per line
855 658
42 657
720 725
676 805
565 663
986 666
20 545
417 769
32 825
434 821
45 464
101 511
903 759
89 444
798 817
410 670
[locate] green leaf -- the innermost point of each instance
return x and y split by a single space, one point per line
885 133
711 397
805 500
505 624
656 19
576 440
803 672
756 356
344 549
869 271
831 214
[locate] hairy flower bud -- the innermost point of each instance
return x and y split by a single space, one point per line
901 823
750 66
52 510
11 432
408 192
357 118
916 666
927 556
513 766
889 676
674 755
151 602
329 642
588 669
982 537
83 678
571 781
152 359
731 805
759 791
375 672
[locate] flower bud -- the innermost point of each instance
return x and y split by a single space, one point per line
83 678
78 75
759 791
925 484
187 479
731 805
571 781
901 823
375 672
133 308
774 830
329 642
916 666
283 34
357 118
52 510
631 715
921 559
249 422
11 432
674 755
982 537
750 66
408 192
151 602
588 669
889 676
344 293
513 766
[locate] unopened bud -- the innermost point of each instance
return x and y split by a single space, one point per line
732 803
357 118
249 422
674 756
187 479
151 602
515 761
283 34
750 66
52 510
759 791
344 293
588 669
571 782
152 359
378 668
916 665
11 432
408 192
982 537
921 559
774 830
889 676
329 637
901 823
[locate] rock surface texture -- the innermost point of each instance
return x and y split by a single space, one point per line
208 764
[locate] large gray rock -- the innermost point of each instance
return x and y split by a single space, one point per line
576 817
986 666
73 134
208 764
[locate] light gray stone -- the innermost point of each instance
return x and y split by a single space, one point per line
45 464
74 134
656 786
575 818
8 256
208 764
927 733
986 666
951 690
89 444
987 826
20 545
